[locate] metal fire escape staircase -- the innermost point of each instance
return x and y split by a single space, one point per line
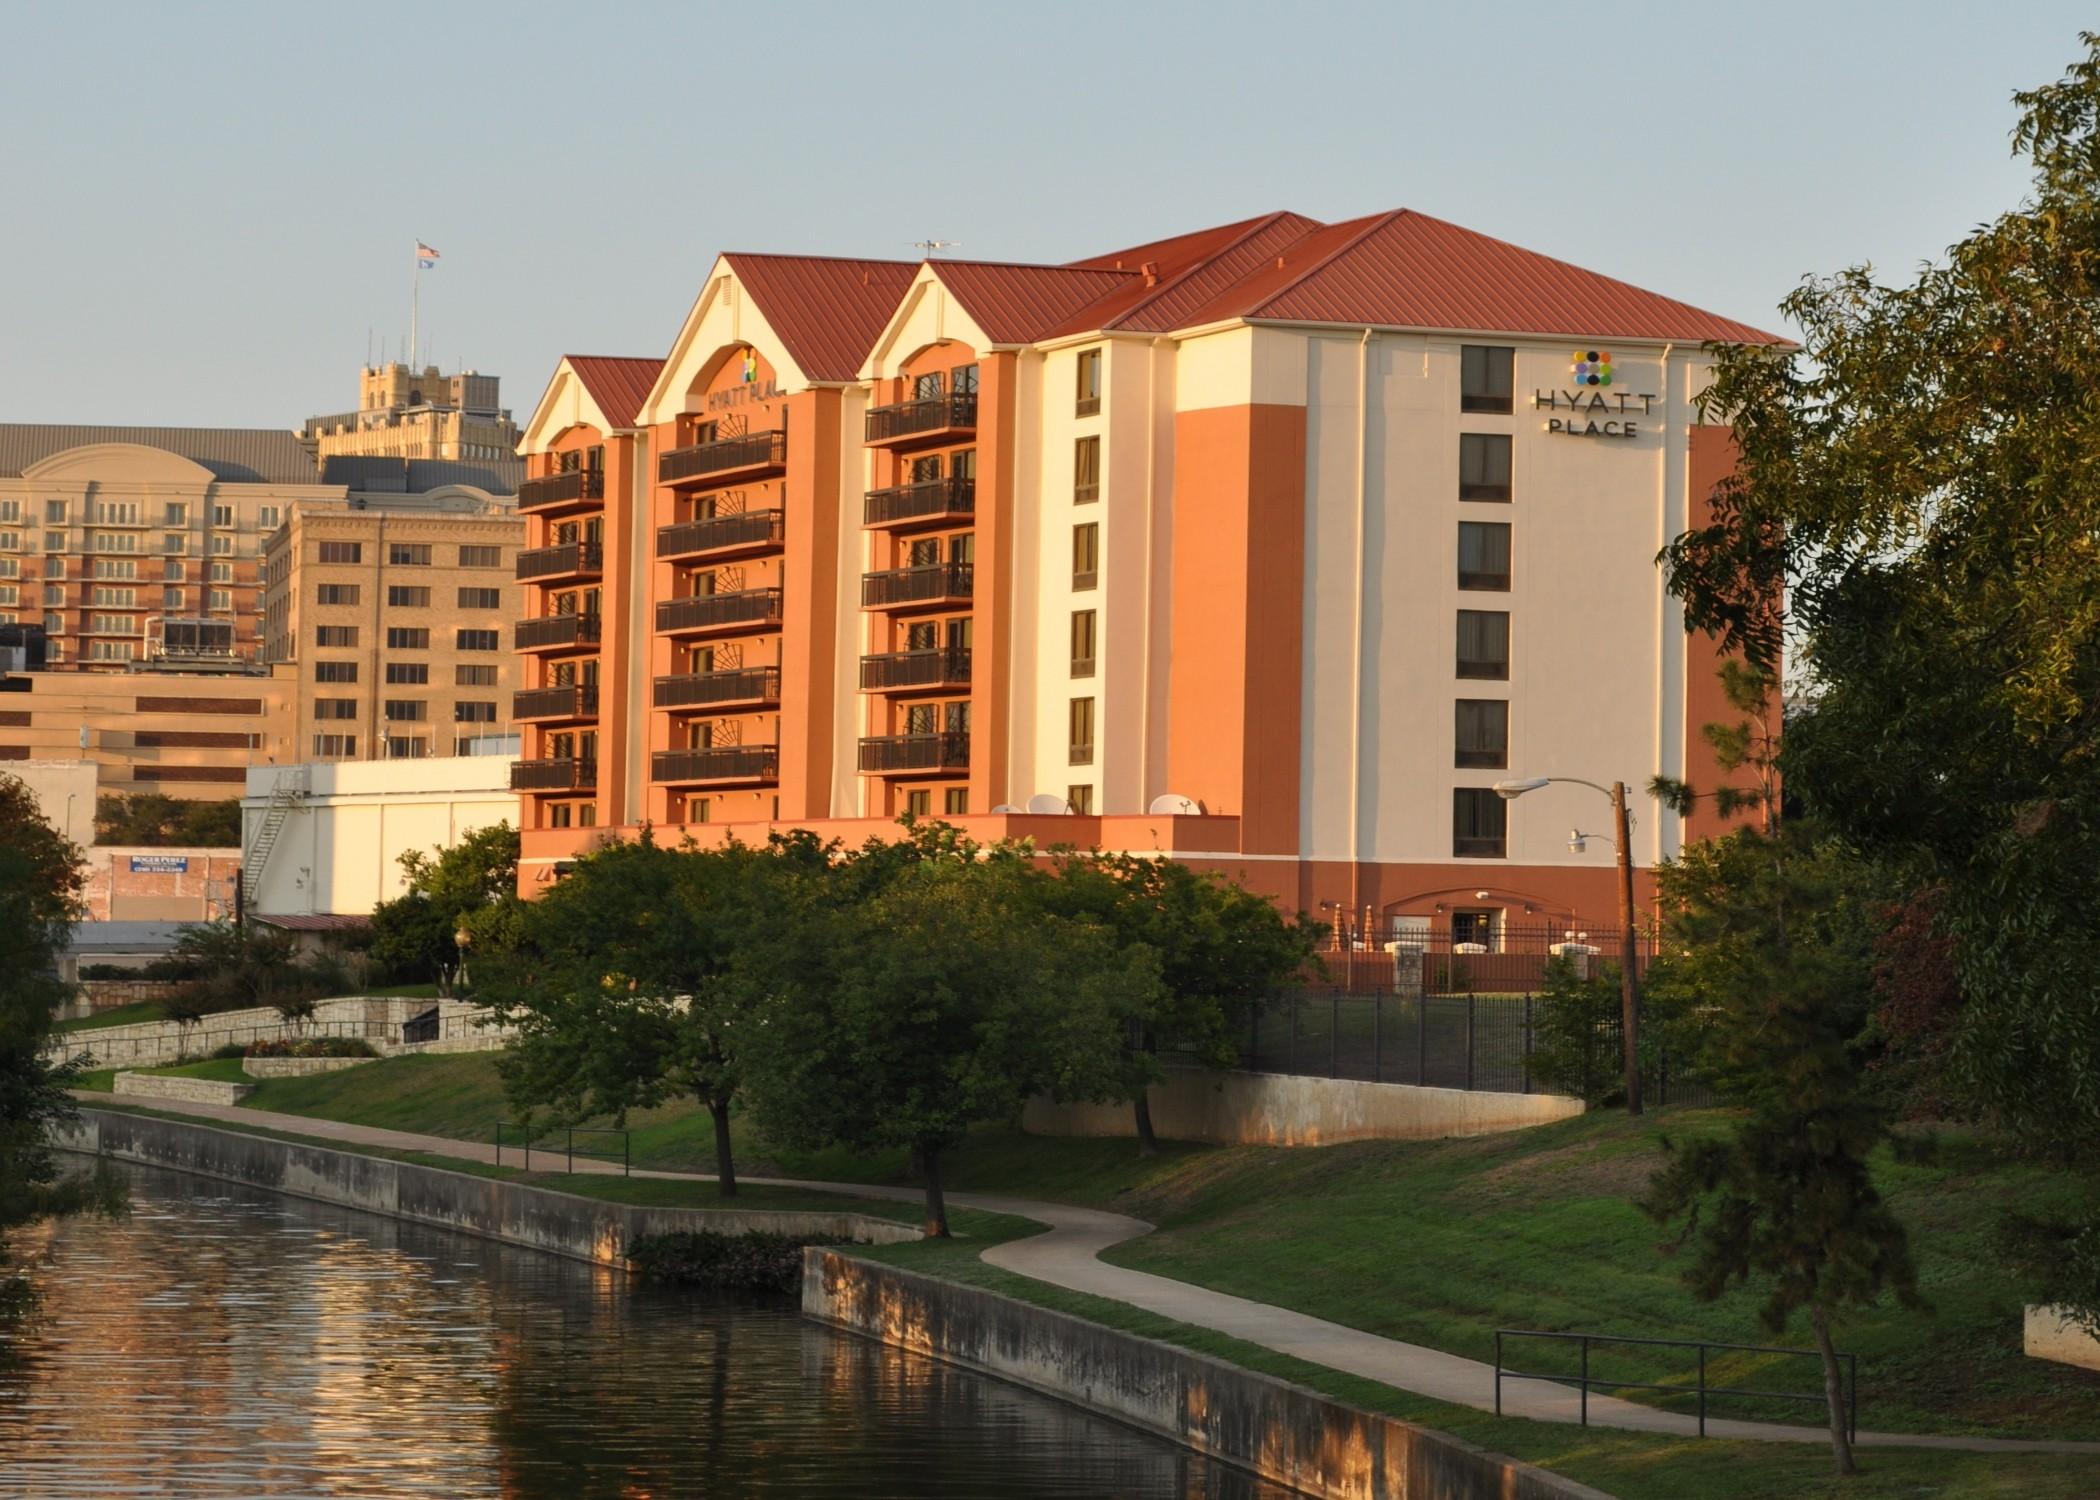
286 792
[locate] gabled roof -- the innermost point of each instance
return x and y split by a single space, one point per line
1405 269
1020 304
235 455
827 312
1192 270
618 383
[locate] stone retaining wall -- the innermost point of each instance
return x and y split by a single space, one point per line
373 1018
1280 1109
196 1090
537 1218
1286 1433
298 1067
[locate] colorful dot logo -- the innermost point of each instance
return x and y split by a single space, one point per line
1592 367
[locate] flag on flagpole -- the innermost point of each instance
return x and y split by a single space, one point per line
426 257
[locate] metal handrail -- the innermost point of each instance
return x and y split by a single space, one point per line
569 1143
1585 1381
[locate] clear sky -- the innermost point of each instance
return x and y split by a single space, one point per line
210 208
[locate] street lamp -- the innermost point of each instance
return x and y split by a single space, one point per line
462 940
1629 1018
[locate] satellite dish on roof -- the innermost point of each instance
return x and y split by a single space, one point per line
1006 807
1174 802
1045 802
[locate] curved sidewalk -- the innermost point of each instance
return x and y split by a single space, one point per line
1067 1255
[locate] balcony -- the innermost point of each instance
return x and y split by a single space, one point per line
930 502
930 419
909 754
717 765
575 701
558 633
561 775
911 671
732 535
745 457
754 687
928 586
700 614
576 488
573 560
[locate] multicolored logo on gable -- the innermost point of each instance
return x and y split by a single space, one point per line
1592 367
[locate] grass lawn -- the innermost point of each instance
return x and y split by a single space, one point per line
1436 1242
123 1015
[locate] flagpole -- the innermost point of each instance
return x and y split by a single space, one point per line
415 290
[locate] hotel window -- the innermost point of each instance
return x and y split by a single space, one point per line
175 513
1081 722
477 640
335 671
334 746
407 638
54 541
481 598
919 804
335 708
1483 644
1483 555
173 542
1082 643
473 713
171 599
1086 470
405 596
54 624
402 748
116 567
956 801
54 511
413 673
222 515
10 511
342 552
115 598
474 676
405 710
172 569
336 593
559 815
1482 734
10 541
266 517
481 557
10 567
1089 392
222 546
222 572
335 635
1486 377
408 554
1080 798
1479 823
1086 555
1483 466
54 594
962 380
112 651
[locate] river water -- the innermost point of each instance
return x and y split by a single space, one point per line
223 1342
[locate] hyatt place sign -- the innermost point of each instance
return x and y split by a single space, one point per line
1591 410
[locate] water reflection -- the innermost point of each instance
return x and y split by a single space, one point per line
226 1343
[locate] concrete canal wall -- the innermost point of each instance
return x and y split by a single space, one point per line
1286 1433
580 1228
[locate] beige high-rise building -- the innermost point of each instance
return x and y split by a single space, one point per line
396 620
407 413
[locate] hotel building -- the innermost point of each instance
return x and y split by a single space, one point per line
1271 547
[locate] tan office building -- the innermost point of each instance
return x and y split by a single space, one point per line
407 413
393 623
188 735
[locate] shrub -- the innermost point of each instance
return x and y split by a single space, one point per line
1575 1033
319 1046
231 1049
724 1262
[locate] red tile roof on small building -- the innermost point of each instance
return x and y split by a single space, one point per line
619 384
827 312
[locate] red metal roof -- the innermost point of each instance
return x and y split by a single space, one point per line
618 383
1405 269
1178 253
827 312
1020 304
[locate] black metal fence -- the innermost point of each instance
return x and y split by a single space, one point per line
559 1147
1585 1380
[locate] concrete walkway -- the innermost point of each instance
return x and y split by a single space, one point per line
1067 1255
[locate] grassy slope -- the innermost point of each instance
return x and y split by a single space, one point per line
1434 1242
123 1015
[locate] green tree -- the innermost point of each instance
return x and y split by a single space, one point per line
230 966
943 997
634 979
472 886
1220 950
1772 939
1923 480
148 819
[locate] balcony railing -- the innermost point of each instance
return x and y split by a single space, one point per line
716 763
573 488
561 775
752 451
557 630
929 500
576 700
719 611
930 583
954 412
937 667
567 561
753 529
712 689
915 752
